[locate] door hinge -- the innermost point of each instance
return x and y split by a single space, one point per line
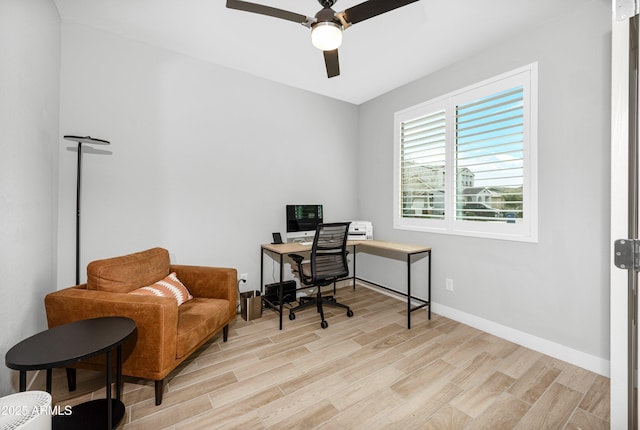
625 9
627 254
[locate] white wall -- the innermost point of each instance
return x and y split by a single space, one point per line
29 113
554 291
203 158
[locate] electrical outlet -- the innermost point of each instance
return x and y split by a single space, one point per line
243 277
449 284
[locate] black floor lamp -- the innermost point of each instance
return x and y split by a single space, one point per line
80 140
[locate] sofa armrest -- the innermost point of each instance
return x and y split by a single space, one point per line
156 321
210 282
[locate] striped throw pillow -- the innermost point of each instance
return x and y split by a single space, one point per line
168 287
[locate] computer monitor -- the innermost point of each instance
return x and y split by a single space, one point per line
302 221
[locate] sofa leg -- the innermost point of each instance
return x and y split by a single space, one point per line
225 333
159 390
71 378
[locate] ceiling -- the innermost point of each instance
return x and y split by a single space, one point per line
376 55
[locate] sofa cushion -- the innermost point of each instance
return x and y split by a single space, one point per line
167 287
128 272
197 320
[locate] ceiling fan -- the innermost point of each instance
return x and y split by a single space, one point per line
327 26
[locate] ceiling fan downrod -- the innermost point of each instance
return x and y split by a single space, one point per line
327 3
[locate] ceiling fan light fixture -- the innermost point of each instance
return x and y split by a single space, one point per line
326 35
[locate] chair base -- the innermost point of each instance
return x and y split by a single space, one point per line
319 301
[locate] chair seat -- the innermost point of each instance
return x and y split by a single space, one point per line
196 318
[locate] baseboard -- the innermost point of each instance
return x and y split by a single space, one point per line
544 346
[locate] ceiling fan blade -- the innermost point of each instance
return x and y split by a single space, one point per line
268 10
331 62
372 8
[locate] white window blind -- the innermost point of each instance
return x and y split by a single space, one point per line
423 166
465 163
489 157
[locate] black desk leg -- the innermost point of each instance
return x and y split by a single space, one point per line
109 403
280 288
354 267
261 269
408 291
429 284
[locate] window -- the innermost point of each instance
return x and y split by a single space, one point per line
465 163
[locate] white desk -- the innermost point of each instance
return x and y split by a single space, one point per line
407 251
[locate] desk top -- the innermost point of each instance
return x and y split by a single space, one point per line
392 246
288 248
69 343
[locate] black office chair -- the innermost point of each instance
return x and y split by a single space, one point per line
326 265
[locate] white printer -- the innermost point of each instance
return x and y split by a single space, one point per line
360 230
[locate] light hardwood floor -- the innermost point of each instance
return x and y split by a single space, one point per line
366 372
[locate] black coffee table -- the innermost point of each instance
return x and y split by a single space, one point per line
68 344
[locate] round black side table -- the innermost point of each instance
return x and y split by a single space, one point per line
67 344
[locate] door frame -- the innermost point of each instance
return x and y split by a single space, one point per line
622 394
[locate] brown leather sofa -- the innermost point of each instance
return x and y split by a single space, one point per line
166 334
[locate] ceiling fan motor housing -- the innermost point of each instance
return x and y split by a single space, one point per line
327 15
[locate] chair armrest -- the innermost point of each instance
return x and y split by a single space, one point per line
156 321
303 275
210 282
297 258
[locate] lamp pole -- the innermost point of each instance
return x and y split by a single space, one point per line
80 140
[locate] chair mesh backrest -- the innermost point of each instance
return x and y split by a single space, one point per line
329 252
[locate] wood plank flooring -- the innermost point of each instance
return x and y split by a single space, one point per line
366 372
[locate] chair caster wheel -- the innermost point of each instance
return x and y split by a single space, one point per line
349 313
324 324
292 316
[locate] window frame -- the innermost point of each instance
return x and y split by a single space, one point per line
527 229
